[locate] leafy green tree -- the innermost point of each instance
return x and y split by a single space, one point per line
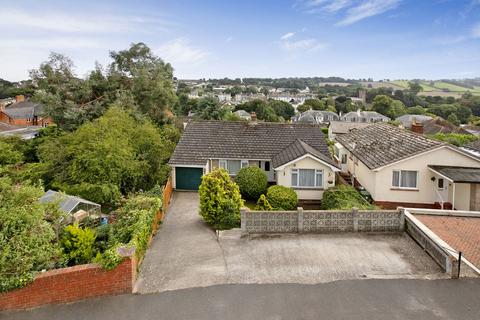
303 108
261 108
26 236
220 200
315 104
344 198
456 139
416 110
113 154
388 106
452 118
209 109
9 154
281 108
415 87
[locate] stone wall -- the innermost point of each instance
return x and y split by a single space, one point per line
321 221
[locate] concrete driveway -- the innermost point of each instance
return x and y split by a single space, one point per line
185 253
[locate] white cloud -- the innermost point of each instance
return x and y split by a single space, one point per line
228 40
24 20
353 10
287 35
367 9
179 51
305 45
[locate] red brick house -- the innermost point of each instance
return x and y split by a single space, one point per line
24 113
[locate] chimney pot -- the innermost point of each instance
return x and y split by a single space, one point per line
417 127
19 98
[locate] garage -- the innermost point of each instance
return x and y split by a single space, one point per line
188 178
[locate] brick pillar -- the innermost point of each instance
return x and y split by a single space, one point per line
243 222
355 219
300 219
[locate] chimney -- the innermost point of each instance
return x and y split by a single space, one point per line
253 115
417 127
19 98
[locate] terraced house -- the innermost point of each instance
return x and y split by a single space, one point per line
292 155
402 168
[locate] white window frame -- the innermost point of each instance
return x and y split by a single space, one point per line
400 180
316 173
223 163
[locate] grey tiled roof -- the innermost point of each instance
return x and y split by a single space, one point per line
341 127
24 110
475 145
459 174
297 149
365 115
407 119
381 144
203 140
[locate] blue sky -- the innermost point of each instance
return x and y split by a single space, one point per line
395 39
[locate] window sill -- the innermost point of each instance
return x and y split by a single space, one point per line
404 189
308 188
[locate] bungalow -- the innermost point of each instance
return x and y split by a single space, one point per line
292 155
364 116
402 168
336 128
316 116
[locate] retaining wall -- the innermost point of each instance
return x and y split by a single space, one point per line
72 284
321 221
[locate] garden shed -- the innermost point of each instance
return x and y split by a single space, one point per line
70 204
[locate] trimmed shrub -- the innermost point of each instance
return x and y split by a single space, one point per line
78 244
263 204
344 197
220 200
252 181
282 198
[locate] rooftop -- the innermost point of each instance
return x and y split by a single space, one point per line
297 149
23 110
381 144
67 203
458 174
203 140
341 127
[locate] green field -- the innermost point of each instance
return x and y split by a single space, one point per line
436 87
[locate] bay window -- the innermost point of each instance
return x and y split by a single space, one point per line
307 178
405 179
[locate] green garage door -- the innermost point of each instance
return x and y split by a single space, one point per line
188 178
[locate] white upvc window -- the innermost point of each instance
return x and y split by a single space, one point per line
232 166
307 178
405 179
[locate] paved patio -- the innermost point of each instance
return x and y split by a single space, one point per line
185 253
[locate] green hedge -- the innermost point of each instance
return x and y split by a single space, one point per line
344 197
282 198
132 229
252 181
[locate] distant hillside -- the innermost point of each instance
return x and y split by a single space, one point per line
453 88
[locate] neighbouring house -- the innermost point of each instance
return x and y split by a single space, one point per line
316 116
242 114
402 168
24 113
292 155
408 119
473 147
75 207
364 116
440 125
336 128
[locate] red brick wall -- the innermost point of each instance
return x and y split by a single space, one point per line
71 284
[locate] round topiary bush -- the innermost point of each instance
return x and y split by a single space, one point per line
252 181
282 198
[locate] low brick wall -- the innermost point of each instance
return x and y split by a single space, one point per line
71 284
321 221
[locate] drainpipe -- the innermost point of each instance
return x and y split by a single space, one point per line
453 197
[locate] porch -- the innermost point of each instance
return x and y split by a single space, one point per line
456 187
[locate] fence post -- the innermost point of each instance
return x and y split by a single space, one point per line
402 218
243 222
355 219
300 219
